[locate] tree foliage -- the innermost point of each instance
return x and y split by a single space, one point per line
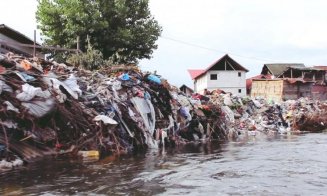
122 30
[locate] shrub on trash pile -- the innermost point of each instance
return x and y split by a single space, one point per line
60 109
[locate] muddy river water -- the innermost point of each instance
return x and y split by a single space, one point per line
254 165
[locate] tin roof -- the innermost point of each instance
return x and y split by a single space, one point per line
277 69
19 37
321 67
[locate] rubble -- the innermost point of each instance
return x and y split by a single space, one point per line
50 108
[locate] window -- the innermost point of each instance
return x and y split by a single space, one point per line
239 74
239 90
213 76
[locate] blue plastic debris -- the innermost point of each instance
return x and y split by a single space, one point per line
125 77
154 78
147 95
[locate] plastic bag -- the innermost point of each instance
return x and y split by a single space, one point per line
11 107
154 78
124 77
29 92
5 87
71 82
105 119
39 108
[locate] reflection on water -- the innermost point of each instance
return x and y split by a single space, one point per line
252 165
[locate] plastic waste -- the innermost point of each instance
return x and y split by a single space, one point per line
229 113
71 82
105 119
39 108
25 77
89 153
9 124
25 65
154 78
124 77
185 112
227 100
29 92
56 85
5 87
147 95
11 107
257 103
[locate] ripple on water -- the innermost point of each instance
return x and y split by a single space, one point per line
279 165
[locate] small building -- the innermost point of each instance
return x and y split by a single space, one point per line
321 67
274 70
224 74
249 82
187 90
292 83
14 41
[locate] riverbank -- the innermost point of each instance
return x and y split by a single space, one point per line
51 108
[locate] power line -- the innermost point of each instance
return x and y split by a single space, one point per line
216 50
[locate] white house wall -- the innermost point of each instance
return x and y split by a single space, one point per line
201 84
228 81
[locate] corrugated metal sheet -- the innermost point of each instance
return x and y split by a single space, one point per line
12 33
277 69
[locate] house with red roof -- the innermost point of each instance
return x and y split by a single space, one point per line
224 74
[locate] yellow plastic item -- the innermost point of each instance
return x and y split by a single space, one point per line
89 153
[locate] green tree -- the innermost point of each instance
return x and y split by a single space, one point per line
122 30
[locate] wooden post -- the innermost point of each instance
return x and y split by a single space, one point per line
34 44
77 44
225 65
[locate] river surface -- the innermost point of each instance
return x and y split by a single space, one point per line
254 165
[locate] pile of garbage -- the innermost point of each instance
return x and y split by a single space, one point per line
257 114
50 108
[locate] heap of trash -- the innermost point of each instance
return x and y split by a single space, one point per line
50 108
250 115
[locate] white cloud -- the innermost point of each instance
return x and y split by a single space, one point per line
264 30
20 15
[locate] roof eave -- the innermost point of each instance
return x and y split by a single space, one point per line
3 26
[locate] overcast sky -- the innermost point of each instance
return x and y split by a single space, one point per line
198 32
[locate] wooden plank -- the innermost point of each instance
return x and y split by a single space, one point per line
26 151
